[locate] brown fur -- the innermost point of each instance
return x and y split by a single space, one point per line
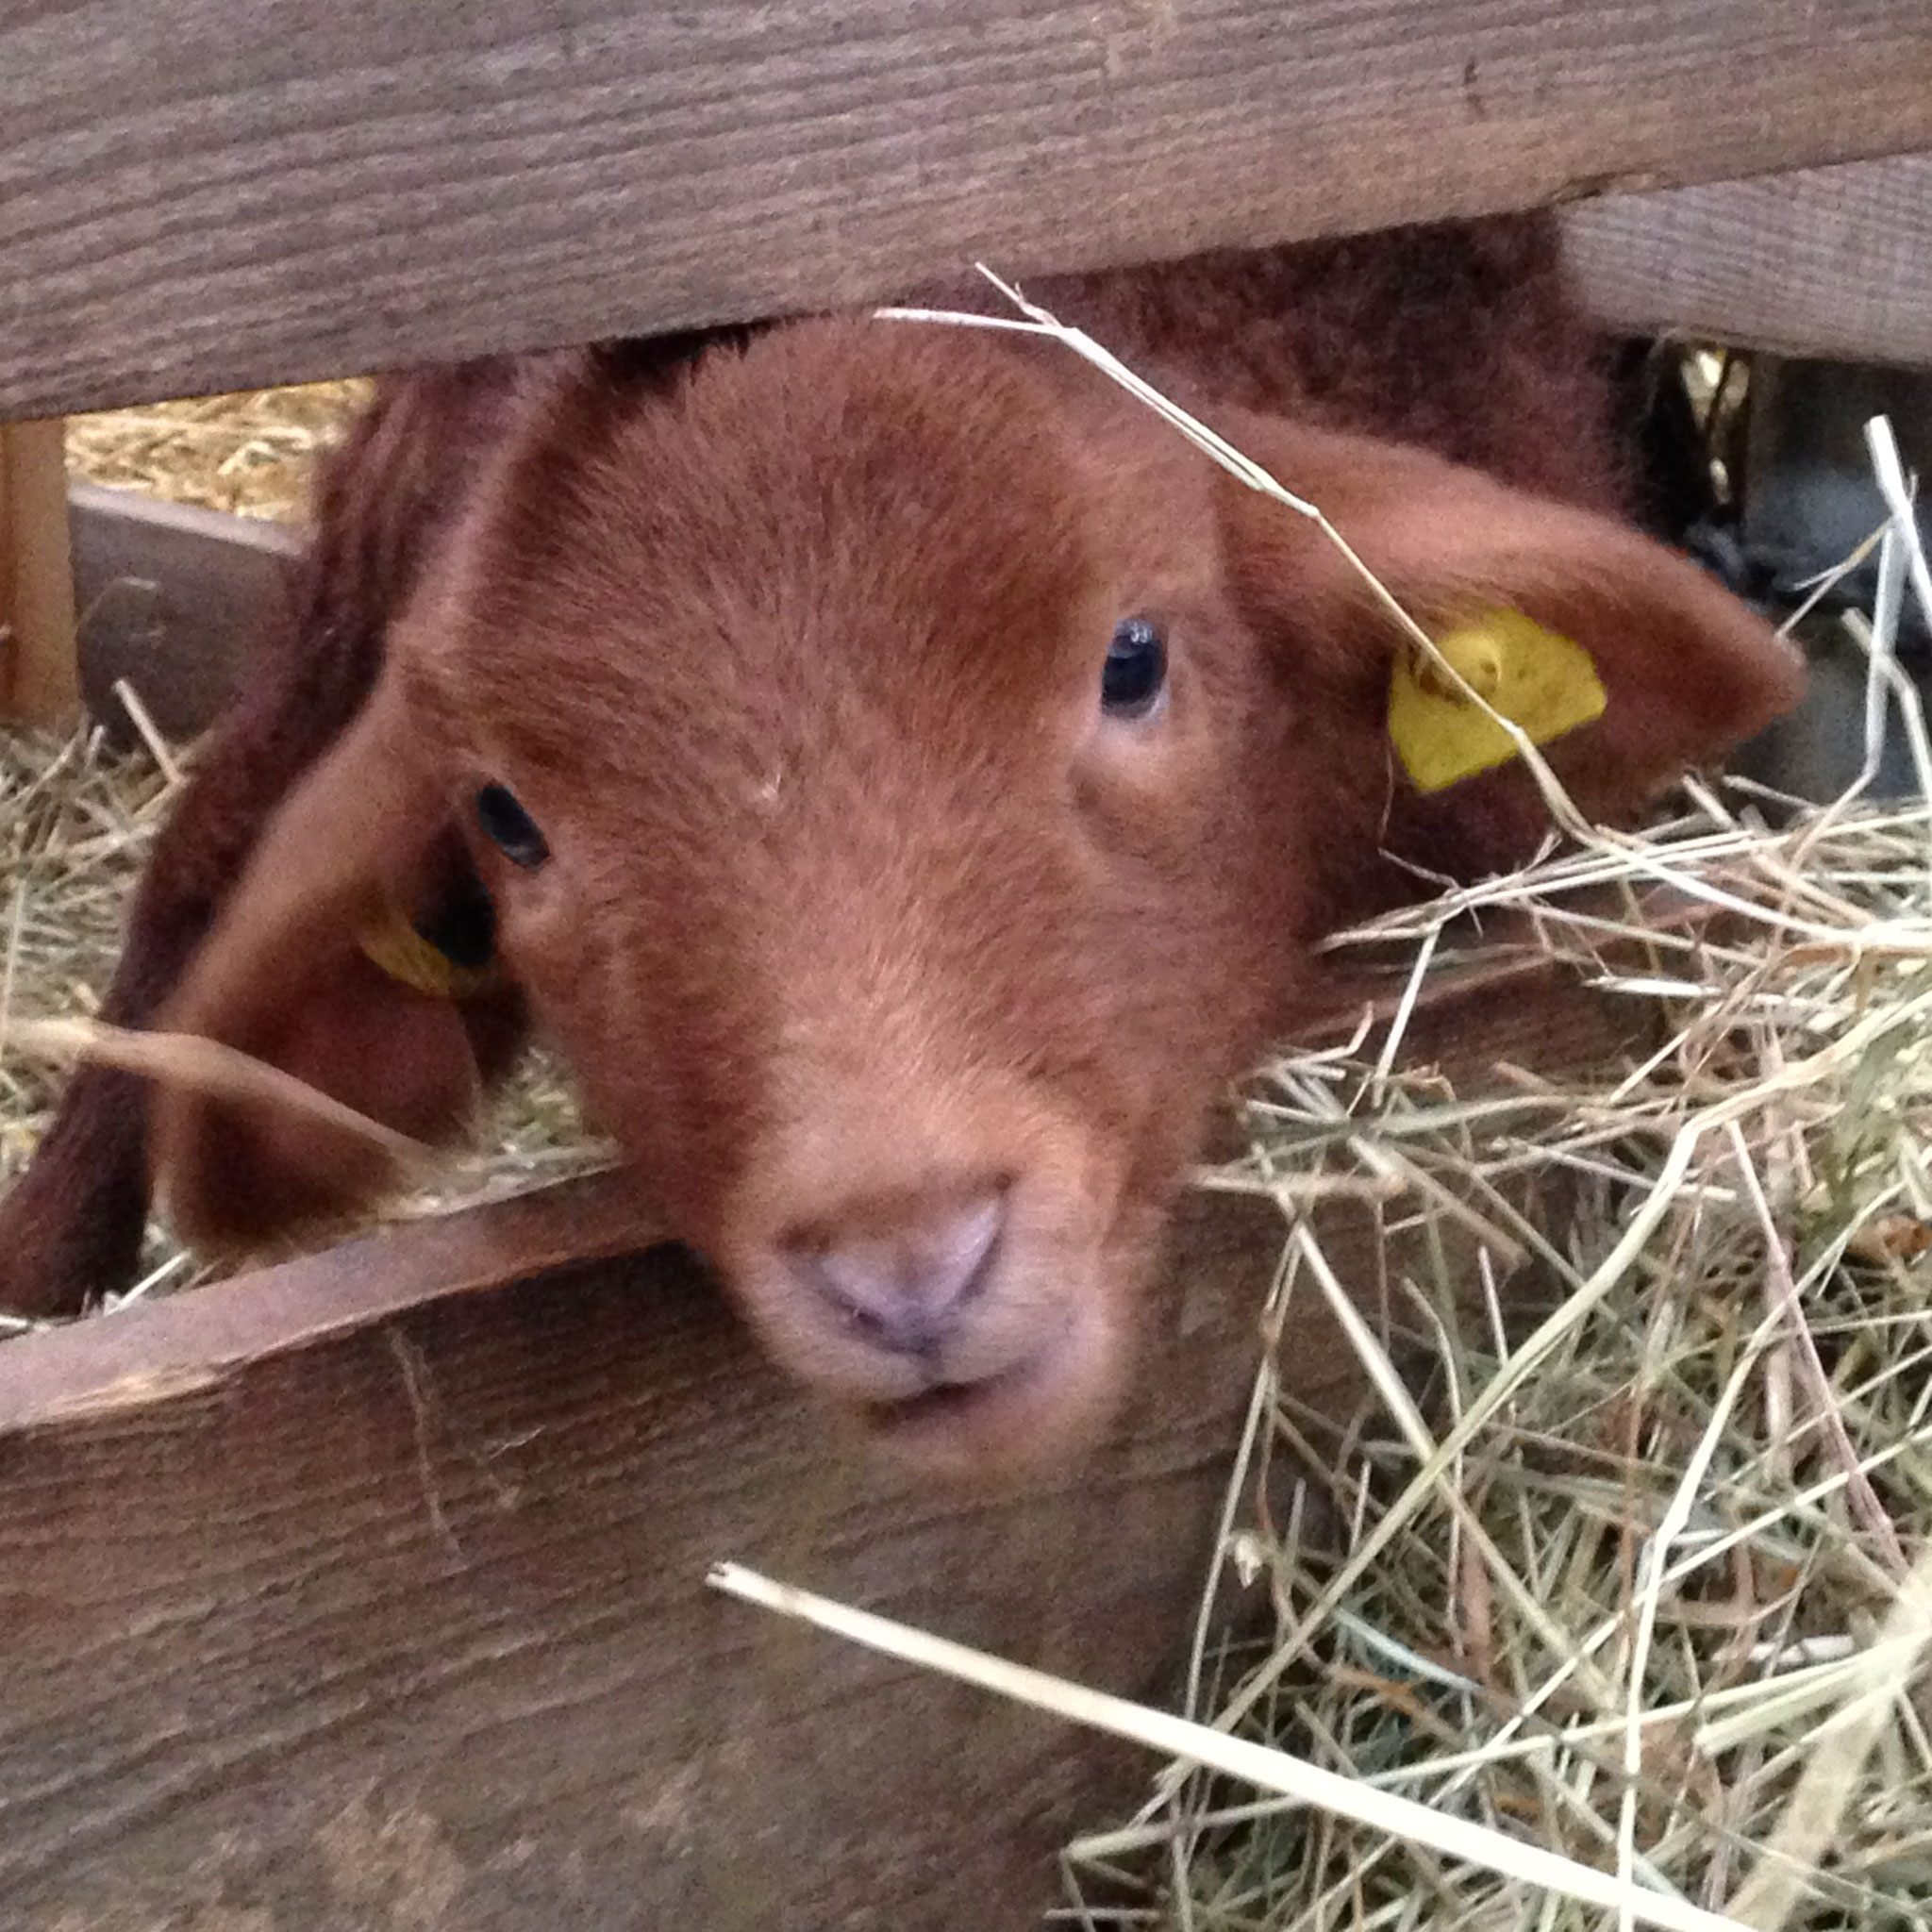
904 976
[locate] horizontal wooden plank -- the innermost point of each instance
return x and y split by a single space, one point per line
407 1626
200 194
1831 261
150 1349
172 599
1828 261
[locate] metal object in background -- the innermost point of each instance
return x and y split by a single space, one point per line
1808 501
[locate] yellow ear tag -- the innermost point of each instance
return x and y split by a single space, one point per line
389 940
1541 682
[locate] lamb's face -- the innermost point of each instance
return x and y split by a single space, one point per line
885 838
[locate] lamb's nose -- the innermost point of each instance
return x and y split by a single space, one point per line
906 1280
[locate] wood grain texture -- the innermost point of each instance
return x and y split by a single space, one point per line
172 598
406 1628
198 194
39 678
365 1595
1827 261
229 1326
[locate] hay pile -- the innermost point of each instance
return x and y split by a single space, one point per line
250 453
75 825
1655 1531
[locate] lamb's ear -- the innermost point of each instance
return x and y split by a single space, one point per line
1686 670
287 976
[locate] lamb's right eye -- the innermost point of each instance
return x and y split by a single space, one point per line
509 828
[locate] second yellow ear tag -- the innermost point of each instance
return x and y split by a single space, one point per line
389 940
1542 682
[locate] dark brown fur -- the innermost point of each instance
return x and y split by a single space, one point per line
905 977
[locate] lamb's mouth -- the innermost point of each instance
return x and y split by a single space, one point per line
988 1420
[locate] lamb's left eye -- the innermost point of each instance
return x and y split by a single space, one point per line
1135 673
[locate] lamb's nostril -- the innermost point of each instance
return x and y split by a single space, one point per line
905 1281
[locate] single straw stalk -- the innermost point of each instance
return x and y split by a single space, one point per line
1273 1771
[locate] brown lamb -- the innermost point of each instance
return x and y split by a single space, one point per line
904 779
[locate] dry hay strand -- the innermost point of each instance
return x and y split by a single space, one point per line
77 822
251 454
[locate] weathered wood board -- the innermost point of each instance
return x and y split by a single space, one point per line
365 1595
203 194
172 599
404 1625
38 680
1827 261
1832 261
